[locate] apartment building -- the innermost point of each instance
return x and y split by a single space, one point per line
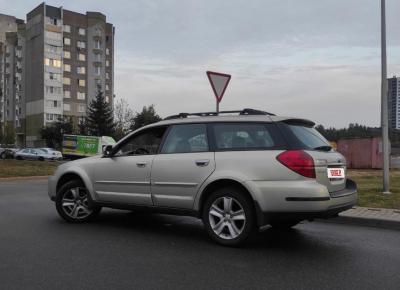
12 70
394 102
69 57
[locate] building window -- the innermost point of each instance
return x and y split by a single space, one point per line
107 99
107 51
82 31
53 104
49 117
56 63
66 81
107 63
81 96
97 57
107 75
81 82
53 76
67 107
52 49
52 21
67 94
81 44
53 90
81 70
67 67
67 41
98 82
97 70
81 108
52 62
67 54
97 44
107 87
67 28
81 57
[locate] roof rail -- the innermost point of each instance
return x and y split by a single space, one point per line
246 111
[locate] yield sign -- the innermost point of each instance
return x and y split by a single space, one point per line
219 82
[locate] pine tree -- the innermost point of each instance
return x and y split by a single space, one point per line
99 118
147 116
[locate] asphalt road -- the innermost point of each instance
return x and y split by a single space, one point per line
124 250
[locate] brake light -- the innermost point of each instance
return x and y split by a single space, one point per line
299 161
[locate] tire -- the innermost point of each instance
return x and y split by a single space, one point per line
72 203
284 225
18 158
222 226
3 156
41 159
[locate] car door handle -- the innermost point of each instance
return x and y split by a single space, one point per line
203 162
141 164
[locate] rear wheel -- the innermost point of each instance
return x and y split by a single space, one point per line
229 217
72 202
284 225
3 155
41 159
18 158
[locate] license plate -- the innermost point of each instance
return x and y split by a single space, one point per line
335 173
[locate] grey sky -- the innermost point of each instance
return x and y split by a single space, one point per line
315 59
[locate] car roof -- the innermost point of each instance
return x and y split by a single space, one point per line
185 118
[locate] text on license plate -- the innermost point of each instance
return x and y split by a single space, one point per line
335 173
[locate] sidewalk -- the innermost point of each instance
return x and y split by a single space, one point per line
374 217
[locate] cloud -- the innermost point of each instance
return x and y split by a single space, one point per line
313 59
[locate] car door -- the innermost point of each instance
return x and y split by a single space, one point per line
124 176
182 165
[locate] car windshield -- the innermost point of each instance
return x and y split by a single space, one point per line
310 137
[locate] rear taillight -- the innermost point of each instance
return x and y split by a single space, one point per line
298 161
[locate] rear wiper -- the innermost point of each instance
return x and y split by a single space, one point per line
323 148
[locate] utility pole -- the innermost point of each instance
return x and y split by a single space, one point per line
384 104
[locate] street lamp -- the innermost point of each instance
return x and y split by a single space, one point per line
384 104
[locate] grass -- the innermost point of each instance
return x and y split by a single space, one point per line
19 168
369 184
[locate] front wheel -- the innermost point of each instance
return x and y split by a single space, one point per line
229 216
72 203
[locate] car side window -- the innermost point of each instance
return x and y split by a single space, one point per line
186 138
143 143
246 136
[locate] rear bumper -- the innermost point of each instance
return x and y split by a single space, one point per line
302 200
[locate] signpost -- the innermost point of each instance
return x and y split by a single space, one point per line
219 82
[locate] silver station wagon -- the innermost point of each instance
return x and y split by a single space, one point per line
236 170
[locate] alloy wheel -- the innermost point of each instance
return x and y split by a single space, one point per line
75 203
227 218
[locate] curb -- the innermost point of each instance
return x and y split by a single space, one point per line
24 178
368 222
370 217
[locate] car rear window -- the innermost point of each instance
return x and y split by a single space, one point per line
309 137
247 136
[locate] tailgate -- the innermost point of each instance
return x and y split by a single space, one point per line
330 170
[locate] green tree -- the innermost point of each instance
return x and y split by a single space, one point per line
147 116
9 134
53 133
99 120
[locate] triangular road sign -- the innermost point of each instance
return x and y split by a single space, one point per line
219 82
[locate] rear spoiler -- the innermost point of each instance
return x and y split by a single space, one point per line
301 122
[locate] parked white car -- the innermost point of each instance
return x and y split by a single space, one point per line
236 172
57 154
34 154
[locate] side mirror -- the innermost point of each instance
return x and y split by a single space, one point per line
107 150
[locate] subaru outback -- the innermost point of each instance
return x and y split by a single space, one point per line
236 170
